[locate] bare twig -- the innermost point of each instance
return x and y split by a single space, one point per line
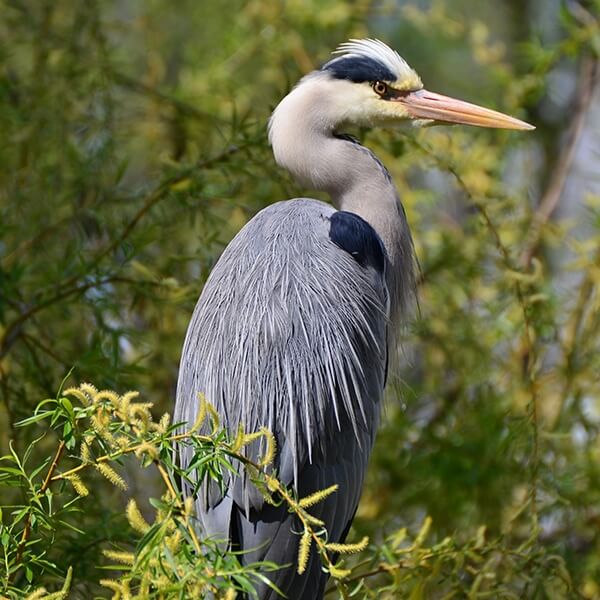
549 201
42 491
528 351
69 286
571 336
181 107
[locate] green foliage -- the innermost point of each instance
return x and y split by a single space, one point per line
134 149
96 431
165 558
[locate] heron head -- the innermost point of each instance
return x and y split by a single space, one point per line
375 86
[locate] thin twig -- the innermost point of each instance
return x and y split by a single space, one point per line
12 331
41 492
175 497
549 201
141 88
529 351
572 329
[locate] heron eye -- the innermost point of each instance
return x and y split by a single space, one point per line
380 88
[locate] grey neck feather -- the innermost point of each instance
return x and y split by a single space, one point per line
302 132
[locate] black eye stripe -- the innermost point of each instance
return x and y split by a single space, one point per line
389 92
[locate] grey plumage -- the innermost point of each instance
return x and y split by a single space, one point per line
289 333
294 327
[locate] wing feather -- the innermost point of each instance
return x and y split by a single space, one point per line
289 333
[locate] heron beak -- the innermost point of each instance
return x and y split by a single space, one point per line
429 105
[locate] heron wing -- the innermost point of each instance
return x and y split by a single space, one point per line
290 333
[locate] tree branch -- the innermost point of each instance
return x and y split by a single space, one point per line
549 201
65 289
42 491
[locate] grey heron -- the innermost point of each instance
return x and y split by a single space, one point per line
293 328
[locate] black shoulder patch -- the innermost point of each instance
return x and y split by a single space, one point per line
358 69
354 235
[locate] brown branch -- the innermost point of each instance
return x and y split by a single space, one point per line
12 331
46 349
41 492
572 331
26 245
181 107
528 351
549 201
380 569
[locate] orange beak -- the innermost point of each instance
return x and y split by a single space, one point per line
429 105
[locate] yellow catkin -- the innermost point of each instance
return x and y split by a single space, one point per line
129 396
313 520
318 496
339 573
111 475
126 558
78 485
252 437
304 551
164 423
349 548
201 416
188 507
145 585
125 590
141 410
147 448
122 442
109 395
37 594
89 390
271 448
125 408
140 415
239 440
99 423
77 393
214 417
230 594
85 454
115 586
173 541
135 518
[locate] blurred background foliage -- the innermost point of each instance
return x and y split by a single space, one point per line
134 148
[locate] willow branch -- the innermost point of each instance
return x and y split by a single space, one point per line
42 491
12 331
551 198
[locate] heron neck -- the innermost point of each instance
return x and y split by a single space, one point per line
362 185
305 143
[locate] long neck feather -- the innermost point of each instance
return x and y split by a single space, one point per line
305 141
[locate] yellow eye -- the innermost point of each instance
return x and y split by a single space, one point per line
380 88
